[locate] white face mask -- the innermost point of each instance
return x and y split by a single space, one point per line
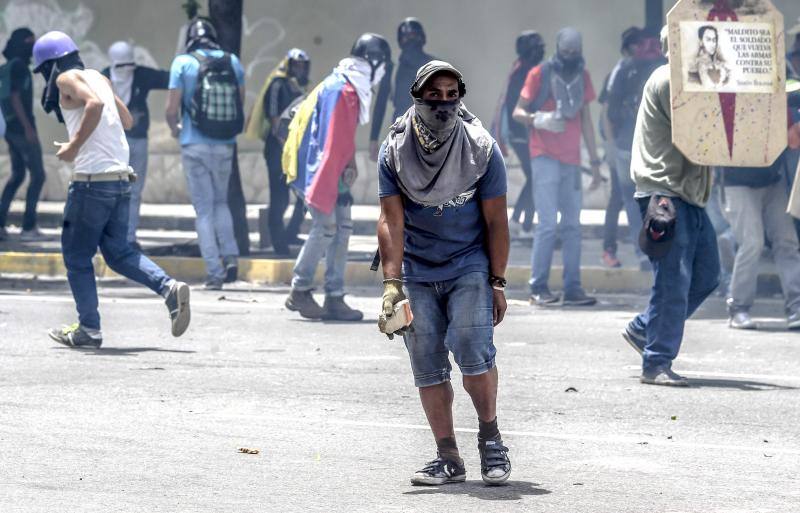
380 71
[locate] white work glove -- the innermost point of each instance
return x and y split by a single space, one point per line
550 121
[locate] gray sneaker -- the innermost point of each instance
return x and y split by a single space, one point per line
664 377
178 305
75 336
741 320
303 302
636 339
793 320
544 298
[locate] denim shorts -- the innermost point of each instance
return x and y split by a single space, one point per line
453 316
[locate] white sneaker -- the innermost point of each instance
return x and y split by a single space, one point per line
33 235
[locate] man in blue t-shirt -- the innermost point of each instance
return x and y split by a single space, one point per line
207 161
443 235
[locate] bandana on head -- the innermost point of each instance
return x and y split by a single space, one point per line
50 71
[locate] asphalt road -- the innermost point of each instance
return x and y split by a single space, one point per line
151 423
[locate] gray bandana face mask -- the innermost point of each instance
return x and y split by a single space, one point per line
439 116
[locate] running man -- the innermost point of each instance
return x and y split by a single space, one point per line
96 212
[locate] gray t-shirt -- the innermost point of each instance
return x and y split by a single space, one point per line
657 166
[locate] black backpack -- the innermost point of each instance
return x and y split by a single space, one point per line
216 108
635 76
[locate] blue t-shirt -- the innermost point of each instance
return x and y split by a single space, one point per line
445 242
183 76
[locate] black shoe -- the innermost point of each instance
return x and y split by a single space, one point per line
544 298
579 298
495 465
636 339
438 472
75 336
664 377
303 302
231 269
178 305
335 309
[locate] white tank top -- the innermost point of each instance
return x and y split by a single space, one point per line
106 150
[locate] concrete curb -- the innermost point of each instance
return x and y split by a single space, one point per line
358 274
279 272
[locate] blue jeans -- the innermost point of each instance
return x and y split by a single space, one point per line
329 236
450 316
627 190
684 278
208 171
96 215
138 161
556 188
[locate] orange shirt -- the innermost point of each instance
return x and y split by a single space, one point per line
566 146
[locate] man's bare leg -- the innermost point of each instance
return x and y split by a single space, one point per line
437 401
483 391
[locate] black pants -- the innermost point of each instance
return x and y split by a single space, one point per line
23 155
612 213
523 209
280 235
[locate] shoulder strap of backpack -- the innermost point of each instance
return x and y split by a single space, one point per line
545 87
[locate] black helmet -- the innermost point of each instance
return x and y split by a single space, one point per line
200 30
372 47
528 41
411 26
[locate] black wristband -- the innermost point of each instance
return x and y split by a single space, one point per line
497 281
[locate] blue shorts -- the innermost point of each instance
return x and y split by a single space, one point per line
453 316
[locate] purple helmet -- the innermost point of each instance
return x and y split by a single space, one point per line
52 46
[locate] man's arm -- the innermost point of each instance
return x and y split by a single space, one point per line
172 112
591 145
609 130
75 91
124 114
521 114
391 226
495 215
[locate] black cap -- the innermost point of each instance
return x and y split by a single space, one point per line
658 228
411 26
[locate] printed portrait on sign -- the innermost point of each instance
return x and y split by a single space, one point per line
709 66
728 57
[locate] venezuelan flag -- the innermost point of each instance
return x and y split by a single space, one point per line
321 142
